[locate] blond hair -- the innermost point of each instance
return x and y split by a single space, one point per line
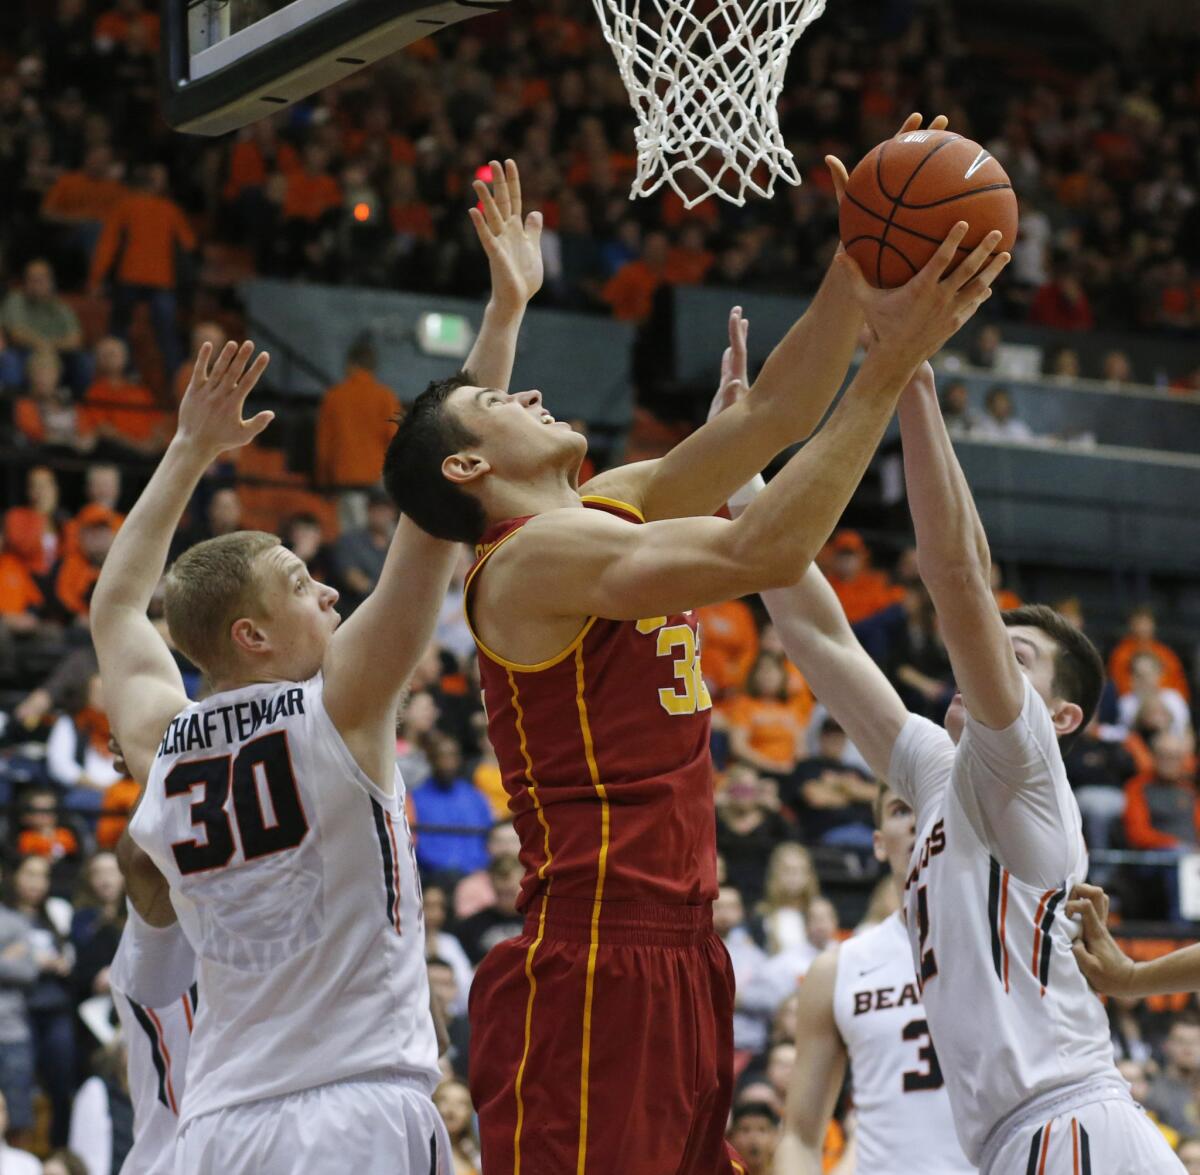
207 588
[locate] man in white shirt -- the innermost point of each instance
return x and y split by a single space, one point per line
1023 1042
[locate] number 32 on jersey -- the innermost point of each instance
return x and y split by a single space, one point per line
681 645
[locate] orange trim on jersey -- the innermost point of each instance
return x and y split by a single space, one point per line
162 1044
1037 928
1003 917
1045 1147
187 1010
614 502
503 662
1075 1146
537 942
601 867
387 817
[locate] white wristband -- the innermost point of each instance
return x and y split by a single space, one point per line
740 500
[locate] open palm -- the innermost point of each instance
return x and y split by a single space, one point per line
513 245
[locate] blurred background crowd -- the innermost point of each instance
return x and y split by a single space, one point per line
121 246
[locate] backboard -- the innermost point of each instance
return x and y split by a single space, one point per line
228 63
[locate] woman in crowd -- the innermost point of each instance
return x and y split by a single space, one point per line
96 927
454 1104
791 887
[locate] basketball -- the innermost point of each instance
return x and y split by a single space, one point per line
908 193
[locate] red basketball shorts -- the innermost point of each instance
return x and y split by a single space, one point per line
608 1051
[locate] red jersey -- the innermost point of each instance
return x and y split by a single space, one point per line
604 754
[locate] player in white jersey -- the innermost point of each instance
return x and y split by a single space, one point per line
155 994
274 807
1022 1041
860 1002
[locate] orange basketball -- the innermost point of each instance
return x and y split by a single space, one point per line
908 193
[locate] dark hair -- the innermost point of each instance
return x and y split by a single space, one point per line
993 392
362 353
1078 667
752 687
412 468
756 1110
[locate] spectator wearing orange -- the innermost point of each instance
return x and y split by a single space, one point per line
120 414
863 593
82 200
764 727
1140 637
32 533
354 426
310 203
101 487
75 576
728 645
35 319
41 834
688 261
137 252
1161 809
112 26
212 333
47 415
630 291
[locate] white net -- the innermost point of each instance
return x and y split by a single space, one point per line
704 77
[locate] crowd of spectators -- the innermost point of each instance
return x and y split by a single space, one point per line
367 183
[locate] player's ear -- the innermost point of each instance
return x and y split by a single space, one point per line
464 468
247 637
1067 718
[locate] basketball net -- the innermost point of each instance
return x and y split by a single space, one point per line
704 78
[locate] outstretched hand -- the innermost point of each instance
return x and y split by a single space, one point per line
735 378
1105 966
513 245
210 414
837 169
914 320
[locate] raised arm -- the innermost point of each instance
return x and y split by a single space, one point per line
785 404
514 253
145 690
955 564
817 1075
374 653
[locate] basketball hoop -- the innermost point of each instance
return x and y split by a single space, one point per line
704 78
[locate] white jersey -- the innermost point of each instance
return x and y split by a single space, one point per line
295 882
157 967
903 1114
999 846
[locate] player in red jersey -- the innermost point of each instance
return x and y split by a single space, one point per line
602 1038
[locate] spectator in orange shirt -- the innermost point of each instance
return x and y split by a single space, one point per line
120 414
688 261
47 417
862 592
21 603
41 834
311 200
202 332
728 645
112 27
354 426
76 574
630 291
82 200
33 533
1140 638
137 251
101 487
764 727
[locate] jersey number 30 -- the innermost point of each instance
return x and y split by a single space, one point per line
261 833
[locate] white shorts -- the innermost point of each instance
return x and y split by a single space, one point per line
383 1125
1112 1137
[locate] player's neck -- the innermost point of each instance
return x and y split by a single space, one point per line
553 490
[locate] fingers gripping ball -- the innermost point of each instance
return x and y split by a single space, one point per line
908 193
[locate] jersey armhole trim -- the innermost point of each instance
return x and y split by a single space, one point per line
601 500
503 662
